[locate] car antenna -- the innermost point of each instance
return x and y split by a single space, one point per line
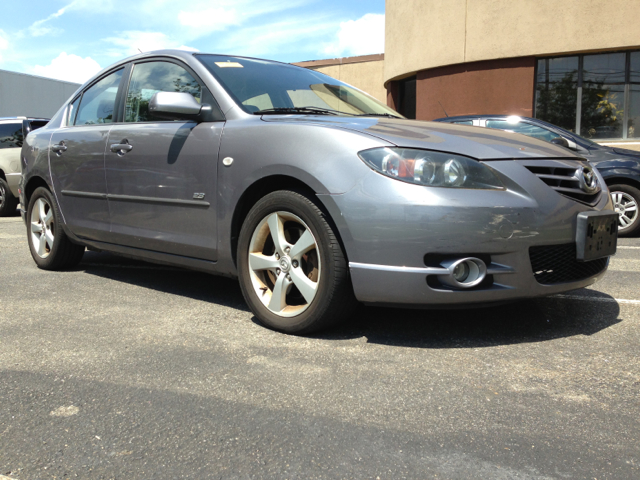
445 112
141 52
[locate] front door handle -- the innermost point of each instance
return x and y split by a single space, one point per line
59 148
122 147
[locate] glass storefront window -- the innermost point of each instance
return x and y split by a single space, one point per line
633 123
602 111
597 95
556 92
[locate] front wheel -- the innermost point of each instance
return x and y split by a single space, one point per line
625 202
293 272
50 247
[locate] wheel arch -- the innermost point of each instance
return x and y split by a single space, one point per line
2 175
30 187
622 180
264 186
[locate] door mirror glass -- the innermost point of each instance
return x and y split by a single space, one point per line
174 105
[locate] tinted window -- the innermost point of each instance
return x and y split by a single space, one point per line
464 122
523 128
36 124
633 127
557 91
603 95
10 135
98 102
407 97
151 78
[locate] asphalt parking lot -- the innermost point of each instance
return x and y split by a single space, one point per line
123 369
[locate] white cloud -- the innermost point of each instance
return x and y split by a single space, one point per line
135 41
69 67
359 37
39 27
209 20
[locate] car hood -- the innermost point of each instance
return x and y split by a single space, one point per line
476 142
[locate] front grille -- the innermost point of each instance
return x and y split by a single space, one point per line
564 180
553 264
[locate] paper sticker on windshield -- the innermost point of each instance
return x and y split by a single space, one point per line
229 65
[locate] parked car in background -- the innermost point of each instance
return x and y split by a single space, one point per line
12 133
311 192
619 167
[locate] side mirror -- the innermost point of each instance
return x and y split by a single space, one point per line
560 141
176 106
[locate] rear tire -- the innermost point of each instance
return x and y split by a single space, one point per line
626 200
8 203
50 247
295 280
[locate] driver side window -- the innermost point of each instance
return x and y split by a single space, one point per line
153 77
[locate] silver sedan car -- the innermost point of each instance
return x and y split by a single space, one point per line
309 191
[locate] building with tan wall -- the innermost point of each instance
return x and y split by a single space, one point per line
575 63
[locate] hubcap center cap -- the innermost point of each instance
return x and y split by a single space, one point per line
285 264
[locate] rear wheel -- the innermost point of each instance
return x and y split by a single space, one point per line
293 272
50 247
625 202
8 203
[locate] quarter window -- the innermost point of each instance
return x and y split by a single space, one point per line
153 77
11 135
98 102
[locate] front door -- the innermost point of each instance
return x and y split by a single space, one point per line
161 175
76 156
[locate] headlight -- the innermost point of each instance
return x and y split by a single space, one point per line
434 169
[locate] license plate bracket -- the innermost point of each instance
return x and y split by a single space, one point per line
596 235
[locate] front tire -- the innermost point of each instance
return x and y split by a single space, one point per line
8 203
293 272
626 200
50 247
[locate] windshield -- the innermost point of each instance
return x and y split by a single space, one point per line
261 86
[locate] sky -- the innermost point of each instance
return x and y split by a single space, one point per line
74 39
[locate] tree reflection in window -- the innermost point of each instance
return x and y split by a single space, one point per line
151 78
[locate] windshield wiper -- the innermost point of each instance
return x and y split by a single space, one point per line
315 110
389 115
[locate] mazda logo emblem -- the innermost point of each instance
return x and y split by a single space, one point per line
587 179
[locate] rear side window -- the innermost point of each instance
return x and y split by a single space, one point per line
98 102
464 122
153 77
11 135
523 128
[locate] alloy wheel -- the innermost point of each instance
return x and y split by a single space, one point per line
627 209
42 227
284 264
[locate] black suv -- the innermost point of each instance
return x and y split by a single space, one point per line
619 167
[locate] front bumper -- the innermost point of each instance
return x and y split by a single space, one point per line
391 229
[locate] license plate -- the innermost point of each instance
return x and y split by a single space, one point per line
597 235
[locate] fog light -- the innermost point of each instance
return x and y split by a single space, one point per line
464 273
461 272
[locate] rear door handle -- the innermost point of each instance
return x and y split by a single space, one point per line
122 147
59 148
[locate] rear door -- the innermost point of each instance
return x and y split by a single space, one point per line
76 158
161 175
